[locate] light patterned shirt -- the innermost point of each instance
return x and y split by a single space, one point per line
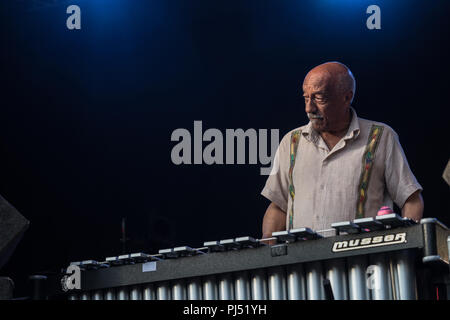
329 185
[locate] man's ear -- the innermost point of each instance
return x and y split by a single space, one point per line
348 97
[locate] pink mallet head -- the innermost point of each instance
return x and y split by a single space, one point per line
384 210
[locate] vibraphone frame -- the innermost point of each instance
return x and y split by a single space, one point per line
409 267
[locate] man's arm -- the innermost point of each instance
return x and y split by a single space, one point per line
274 220
413 207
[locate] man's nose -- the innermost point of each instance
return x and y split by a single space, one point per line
310 107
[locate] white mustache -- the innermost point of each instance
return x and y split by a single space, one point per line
314 116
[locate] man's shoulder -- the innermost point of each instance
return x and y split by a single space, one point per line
287 137
366 125
299 129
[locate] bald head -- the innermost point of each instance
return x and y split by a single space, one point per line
328 90
336 75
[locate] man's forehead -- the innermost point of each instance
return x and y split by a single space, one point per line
316 78
324 77
316 86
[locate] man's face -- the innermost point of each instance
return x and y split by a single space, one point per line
324 106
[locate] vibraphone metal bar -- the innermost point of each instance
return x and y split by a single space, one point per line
362 264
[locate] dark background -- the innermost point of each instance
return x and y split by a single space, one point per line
87 115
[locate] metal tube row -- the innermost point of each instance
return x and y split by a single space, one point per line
375 277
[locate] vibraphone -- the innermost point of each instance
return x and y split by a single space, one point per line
387 257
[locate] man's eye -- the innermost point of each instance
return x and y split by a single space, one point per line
320 99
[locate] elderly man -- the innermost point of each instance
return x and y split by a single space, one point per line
338 167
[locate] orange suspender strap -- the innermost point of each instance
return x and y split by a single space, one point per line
367 165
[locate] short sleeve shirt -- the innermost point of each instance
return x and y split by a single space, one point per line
327 182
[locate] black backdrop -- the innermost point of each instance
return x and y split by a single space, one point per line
87 115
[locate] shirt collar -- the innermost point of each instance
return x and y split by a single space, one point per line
352 132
